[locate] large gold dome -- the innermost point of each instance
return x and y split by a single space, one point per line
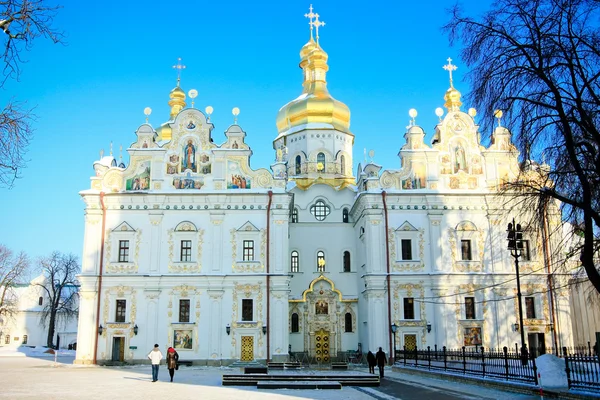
315 105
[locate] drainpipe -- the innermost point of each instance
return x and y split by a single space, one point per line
550 278
268 271
103 206
389 286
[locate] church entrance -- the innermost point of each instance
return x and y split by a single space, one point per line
118 349
410 342
247 348
321 348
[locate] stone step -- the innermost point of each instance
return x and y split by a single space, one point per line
299 385
345 380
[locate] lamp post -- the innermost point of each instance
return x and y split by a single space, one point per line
394 328
515 245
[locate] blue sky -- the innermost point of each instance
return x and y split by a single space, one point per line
385 57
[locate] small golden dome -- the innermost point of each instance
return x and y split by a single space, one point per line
452 98
315 104
177 102
177 93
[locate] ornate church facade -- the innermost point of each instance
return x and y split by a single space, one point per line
190 247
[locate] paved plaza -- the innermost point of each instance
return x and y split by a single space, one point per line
41 378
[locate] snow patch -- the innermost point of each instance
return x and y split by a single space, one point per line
552 372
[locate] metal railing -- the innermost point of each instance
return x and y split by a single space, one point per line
496 363
583 370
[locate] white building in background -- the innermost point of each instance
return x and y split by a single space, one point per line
24 327
188 246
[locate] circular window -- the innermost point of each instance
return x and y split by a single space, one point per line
320 210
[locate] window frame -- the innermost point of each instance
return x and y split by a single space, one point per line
184 310
526 250
345 215
321 159
408 308
321 256
7 339
346 261
470 309
248 250
187 255
403 249
469 254
348 323
295 215
123 251
320 210
120 310
25 338
298 165
245 304
295 323
530 307
295 261
41 301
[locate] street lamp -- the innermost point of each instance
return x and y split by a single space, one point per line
515 245
394 328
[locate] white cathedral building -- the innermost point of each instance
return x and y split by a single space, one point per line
189 246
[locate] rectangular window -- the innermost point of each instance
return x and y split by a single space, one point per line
40 301
530 307
406 249
121 308
7 339
248 250
409 308
24 339
247 311
123 250
184 311
186 251
470 307
465 250
525 251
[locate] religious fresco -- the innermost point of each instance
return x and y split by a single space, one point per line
236 179
190 125
188 182
188 160
460 159
140 181
182 339
417 181
472 336
205 166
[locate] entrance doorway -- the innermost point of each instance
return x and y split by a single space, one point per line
322 346
410 342
247 348
537 344
118 350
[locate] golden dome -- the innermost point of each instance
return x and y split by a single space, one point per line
177 102
315 105
452 98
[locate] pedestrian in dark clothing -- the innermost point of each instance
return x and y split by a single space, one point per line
371 361
172 358
381 361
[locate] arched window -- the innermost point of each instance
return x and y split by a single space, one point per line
295 323
346 261
320 261
320 162
295 215
298 165
343 165
345 215
295 262
348 322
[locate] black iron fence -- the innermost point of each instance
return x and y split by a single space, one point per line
496 363
583 369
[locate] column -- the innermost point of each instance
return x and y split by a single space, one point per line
216 242
435 242
155 242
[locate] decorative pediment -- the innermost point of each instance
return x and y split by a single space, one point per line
248 227
326 285
123 227
146 136
186 226
235 138
466 226
406 226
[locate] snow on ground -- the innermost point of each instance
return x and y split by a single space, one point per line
37 351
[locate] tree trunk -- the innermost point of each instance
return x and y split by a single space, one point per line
587 254
51 328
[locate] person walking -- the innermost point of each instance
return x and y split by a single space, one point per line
371 361
155 356
172 358
381 361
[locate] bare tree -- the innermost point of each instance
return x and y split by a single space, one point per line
22 21
539 61
13 269
61 288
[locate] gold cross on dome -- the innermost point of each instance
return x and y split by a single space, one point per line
310 17
179 67
317 24
450 67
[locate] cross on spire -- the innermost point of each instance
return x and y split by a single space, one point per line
310 17
317 24
450 67
179 67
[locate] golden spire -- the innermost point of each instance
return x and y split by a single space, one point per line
310 17
316 23
177 95
452 95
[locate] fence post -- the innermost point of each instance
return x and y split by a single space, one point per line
567 370
404 354
429 356
435 351
483 360
535 375
589 349
445 359
416 356
464 361
505 350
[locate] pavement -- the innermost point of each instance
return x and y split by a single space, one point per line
42 378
